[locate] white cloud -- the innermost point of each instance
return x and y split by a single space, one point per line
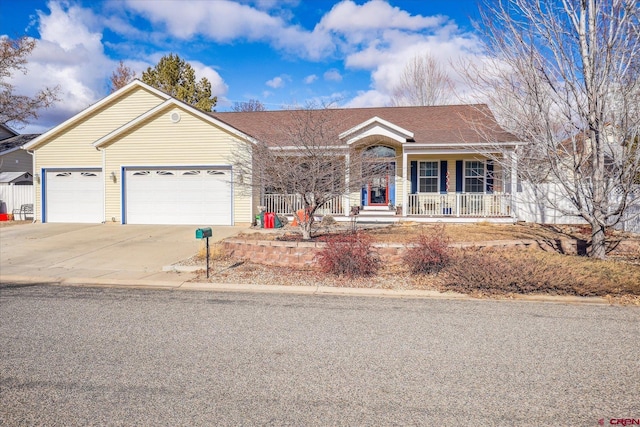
226 21
370 98
276 82
69 55
310 79
348 17
333 75
218 86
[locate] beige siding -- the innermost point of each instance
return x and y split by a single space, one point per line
73 147
159 142
16 161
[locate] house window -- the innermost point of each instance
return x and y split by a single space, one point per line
379 151
474 176
428 177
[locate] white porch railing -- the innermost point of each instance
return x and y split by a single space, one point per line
287 204
460 205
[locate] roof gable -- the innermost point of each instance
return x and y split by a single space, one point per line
378 127
136 84
6 132
154 112
15 142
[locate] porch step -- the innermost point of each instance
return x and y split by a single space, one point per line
377 212
375 208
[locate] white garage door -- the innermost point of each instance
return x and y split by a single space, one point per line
178 196
74 196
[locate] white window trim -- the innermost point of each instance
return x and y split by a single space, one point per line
465 176
438 163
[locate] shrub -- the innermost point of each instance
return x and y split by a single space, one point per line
349 254
328 220
283 220
216 252
428 252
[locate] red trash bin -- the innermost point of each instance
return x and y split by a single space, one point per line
269 219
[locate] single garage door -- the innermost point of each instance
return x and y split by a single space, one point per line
74 196
195 196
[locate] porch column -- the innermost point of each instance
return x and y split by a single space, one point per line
514 181
346 199
405 202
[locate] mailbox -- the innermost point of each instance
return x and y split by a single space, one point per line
202 233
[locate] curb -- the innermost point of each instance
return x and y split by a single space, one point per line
299 290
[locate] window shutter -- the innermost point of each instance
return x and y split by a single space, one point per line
459 175
489 184
443 177
414 177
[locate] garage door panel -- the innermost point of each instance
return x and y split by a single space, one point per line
74 196
178 196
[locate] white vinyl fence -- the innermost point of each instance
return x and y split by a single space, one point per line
532 206
14 196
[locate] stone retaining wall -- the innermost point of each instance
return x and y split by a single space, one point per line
303 254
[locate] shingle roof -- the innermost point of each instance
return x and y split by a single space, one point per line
450 124
16 141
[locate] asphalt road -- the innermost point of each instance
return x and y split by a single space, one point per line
104 356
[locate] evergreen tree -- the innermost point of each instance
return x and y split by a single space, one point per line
176 77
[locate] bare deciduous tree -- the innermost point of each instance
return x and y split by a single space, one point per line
121 76
250 105
300 154
423 82
19 108
562 75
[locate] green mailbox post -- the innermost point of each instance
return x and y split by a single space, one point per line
201 233
205 233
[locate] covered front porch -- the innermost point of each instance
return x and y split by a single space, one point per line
420 207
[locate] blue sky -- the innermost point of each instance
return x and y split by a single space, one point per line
281 52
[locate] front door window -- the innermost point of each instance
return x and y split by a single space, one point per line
380 172
379 184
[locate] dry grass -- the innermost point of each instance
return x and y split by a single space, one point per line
405 231
498 272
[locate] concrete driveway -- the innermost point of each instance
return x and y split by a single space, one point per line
99 251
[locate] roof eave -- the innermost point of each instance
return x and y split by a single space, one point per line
157 110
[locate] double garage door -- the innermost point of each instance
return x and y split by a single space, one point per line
178 196
198 196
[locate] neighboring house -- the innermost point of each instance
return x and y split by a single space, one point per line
6 132
12 158
16 168
140 156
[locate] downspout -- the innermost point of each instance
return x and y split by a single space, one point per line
104 185
33 174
